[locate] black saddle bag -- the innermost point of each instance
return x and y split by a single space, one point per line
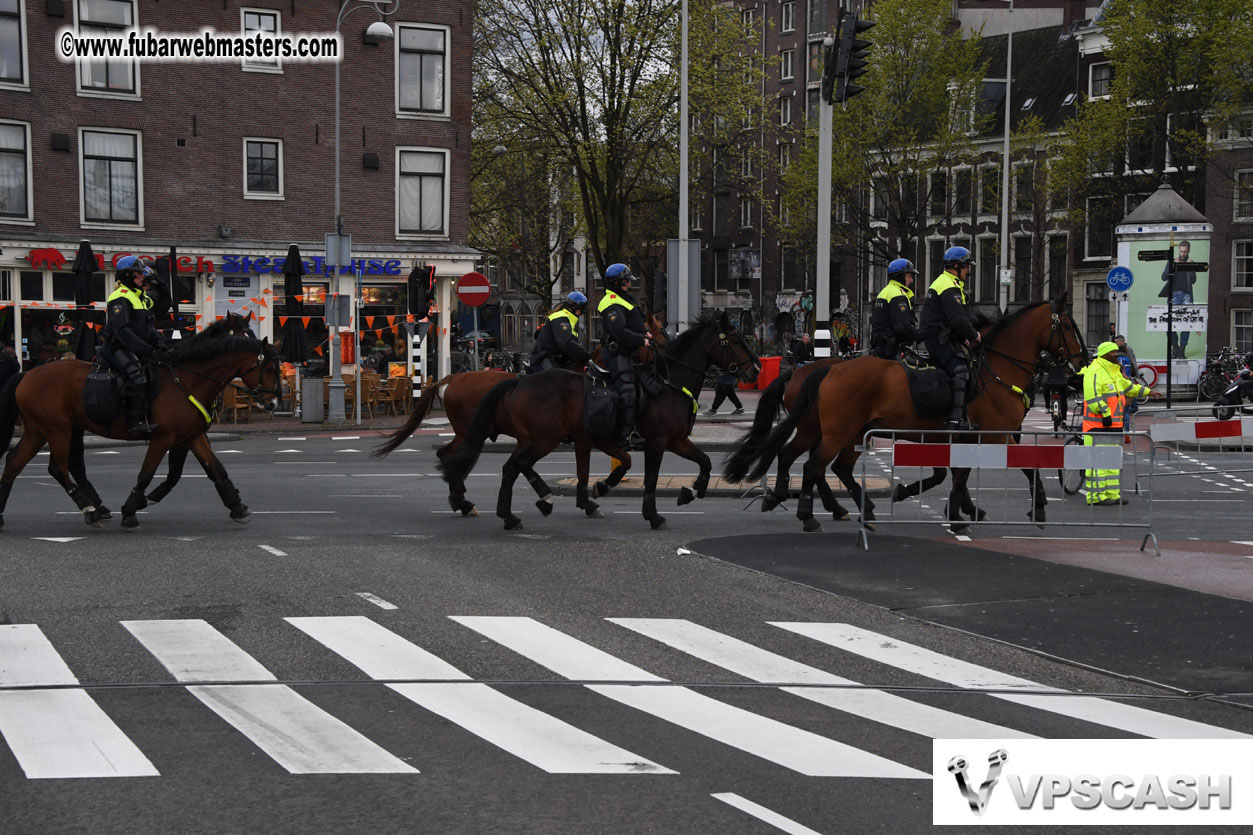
600 407
930 391
102 397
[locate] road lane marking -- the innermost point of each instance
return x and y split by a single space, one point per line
60 539
291 730
526 732
57 734
933 665
377 601
277 451
291 439
757 664
271 549
799 750
345 437
763 814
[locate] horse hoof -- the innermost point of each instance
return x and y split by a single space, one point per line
599 489
513 523
812 525
472 511
958 530
545 506
768 503
870 526
152 498
594 513
980 514
659 523
104 512
842 516
240 513
898 493
130 523
457 503
686 496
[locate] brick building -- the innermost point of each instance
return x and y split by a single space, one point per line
230 162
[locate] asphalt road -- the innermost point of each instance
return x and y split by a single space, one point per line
358 658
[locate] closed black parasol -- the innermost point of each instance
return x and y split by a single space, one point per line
295 347
84 268
172 288
159 291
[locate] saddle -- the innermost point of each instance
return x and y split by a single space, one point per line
104 389
929 388
600 403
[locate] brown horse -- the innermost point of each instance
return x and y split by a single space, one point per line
464 392
545 408
870 393
191 377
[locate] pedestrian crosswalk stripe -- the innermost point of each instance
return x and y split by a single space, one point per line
761 665
762 813
799 750
527 733
57 734
933 665
294 732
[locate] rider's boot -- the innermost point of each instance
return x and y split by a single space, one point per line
957 410
136 413
627 426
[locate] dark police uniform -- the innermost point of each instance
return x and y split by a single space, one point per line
944 326
892 324
622 323
130 336
557 345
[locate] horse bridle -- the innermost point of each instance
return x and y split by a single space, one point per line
1055 333
724 346
257 391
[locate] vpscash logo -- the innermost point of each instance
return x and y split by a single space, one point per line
1079 781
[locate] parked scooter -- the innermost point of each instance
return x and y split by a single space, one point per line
1233 398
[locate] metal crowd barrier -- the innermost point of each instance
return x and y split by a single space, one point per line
1182 435
1000 494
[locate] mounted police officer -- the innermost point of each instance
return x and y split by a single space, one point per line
557 345
946 329
892 325
131 337
624 331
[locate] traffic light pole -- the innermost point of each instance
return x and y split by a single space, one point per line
822 290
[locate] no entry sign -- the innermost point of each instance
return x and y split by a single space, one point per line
473 289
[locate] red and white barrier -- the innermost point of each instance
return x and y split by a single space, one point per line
1201 430
1009 456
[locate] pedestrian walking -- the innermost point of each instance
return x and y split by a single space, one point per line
724 389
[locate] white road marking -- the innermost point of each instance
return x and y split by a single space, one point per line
292 439
933 665
347 450
228 451
270 548
763 814
277 451
756 664
961 537
377 601
345 437
187 538
542 740
782 744
60 539
57 734
294 732
107 452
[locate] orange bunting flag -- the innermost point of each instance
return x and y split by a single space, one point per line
267 291
262 302
199 316
305 320
409 317
391 320
318 350
219 318
300 298
209 297
369 321
282 321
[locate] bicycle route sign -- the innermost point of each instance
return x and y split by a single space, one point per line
473 289
1119 279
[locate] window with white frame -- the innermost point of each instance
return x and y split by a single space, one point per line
1244 195
746 213
786 71
746 164
12 43
15 181
785 157
112 177
1024 187
988 260
1099 228
1099 78
937 204
787 17
107 75
264 22
747 16
785 110
1242 330
813 72
263 169
421 191
879 198
421 75
1241 128
1242 265
989 191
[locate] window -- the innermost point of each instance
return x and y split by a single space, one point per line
746 18
791 277
818 16
265 23
263 169
1023 252
988 264
32 284
15 183
938 202
107 75
1132 202
1099 230
722 269
961 195
787 17
1242 128
785 157
1242 330
989 191
12 44
1139 145
1242 265
785 65
746 213
1099 77
746 165
421 196
935 262
811 106
1024 188
814 73
1057 264
785 110
112 186
1244 195
421 82
879 199
1097 296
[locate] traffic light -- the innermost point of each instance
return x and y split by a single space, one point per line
853 56
421 290
828 68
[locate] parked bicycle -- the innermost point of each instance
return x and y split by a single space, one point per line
1221 371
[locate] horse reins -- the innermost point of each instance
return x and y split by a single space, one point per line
1054 332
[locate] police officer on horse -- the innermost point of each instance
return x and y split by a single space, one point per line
946 329
892 326
131 337
622 323
557 345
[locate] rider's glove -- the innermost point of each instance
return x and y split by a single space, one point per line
1107 421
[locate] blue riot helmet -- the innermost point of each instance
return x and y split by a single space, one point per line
616 275
129 268
958 255
576 299
901 266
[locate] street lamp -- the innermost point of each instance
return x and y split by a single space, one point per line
374 33
1005 166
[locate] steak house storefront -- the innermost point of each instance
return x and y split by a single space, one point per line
37 310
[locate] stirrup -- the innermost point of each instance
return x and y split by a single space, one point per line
143 429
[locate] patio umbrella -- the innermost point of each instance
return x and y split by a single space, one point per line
295 346
172 287
160 293
83 269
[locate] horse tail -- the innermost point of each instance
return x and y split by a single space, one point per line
780 435
744 452
420 410
8 411
457 466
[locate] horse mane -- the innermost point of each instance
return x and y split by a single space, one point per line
218 338
688 338
993 326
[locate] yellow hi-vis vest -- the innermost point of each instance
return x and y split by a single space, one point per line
138 299
1104 387
566 314
893 289
610 299
946 281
